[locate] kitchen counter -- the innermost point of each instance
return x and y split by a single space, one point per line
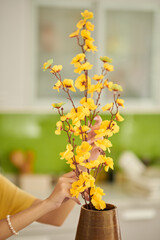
138 210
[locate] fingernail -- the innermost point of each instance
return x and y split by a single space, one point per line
88 131
96 118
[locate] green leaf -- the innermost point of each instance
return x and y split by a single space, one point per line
116 87
106 59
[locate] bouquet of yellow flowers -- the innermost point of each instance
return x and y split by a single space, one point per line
78 122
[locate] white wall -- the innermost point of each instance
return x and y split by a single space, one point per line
15 52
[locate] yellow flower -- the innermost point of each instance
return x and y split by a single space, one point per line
85 181
95 88
78 58
89 26
89 46
68 83
87 15
63 118
97 191
109 163
78 114
47 64
113 87
100 133
82 67
77 187
114 127
119 117
76 130
120 102
107 107
85 128
74 115
81 23
83 150
79 159
58 105
82 112
103 144
98 87
108 67
91 164
104 129
68 154
105 124
71 162
70 127
91 89
98 77
86 35
56 68
101 159
59 128
58 85
80 82
81 131
74 34
89 103
98 204
107 129
96 200
108 85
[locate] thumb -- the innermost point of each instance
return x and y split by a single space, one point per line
76 200
98 121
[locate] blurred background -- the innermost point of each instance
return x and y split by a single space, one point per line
33 31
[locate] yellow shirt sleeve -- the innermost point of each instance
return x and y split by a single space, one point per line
12 199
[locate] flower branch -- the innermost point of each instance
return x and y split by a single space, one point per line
78 122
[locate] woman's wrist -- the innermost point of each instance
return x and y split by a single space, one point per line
50 205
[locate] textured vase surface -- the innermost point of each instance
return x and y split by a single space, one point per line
98 225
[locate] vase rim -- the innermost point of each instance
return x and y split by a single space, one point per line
113 207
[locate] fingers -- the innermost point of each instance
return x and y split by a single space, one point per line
96 126
68 187
76 200
69 174
98 120
67 180
86 195
92 140
94 154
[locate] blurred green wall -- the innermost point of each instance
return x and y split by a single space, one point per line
139 133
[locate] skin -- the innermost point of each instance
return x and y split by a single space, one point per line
59 203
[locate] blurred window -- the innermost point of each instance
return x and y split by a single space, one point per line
125 35
128 40
54 26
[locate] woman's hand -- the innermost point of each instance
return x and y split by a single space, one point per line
61 192
95 152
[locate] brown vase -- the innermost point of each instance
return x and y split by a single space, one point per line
98 225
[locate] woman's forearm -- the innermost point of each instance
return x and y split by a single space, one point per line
61 213
24 218
44 209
